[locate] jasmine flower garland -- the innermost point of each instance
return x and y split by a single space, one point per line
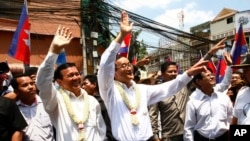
79 122
132 108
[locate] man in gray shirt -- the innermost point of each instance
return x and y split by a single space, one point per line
171 110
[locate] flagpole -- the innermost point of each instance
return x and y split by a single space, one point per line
129 45
25 2
26 5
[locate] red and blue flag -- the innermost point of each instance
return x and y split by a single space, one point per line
239 46
20 45
221 67
211 66
124 50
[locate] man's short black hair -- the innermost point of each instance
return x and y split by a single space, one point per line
57 73
239 73
165 65
30 70
13 81
92 79
199 76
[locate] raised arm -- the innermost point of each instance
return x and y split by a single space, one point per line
46 70
107 64
214 49
143 61
224 84
161 91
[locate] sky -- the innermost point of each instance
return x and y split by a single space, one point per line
167 11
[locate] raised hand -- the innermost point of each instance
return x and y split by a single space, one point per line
125 26
144 61
228 58
62 38
219 45
197 68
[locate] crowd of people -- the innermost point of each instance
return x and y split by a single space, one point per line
57 103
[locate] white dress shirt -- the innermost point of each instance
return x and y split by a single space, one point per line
39 124
119 114
209 115
66 129
242 106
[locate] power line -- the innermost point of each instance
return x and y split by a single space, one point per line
39 11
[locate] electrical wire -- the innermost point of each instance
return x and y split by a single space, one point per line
93 13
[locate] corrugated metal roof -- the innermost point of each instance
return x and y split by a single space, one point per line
224 13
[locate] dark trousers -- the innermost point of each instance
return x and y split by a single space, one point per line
173 138
199 137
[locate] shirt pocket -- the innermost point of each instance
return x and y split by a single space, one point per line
203 110
221 113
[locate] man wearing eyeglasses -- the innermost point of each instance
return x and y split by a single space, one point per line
241 112
127 101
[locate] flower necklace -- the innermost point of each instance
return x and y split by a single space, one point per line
132 108
79 122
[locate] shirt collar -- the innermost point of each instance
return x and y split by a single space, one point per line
199 95
125 86
71 94
36 102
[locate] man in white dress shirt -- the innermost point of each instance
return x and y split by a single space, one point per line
208 112
127 101
75 115
241 112
30 105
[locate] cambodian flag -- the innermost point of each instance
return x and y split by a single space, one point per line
221 67
124 50
20 45
211 66
239 46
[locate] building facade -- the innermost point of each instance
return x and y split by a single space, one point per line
225 24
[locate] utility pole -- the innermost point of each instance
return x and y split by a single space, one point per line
84 54
84 66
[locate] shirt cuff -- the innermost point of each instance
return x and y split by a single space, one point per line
186 77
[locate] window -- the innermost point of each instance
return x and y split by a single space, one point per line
229 20
247 39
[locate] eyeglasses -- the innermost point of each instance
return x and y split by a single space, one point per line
246 108
125 65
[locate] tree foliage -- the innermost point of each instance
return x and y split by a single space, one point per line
137 48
